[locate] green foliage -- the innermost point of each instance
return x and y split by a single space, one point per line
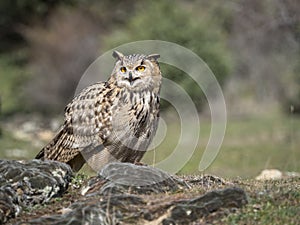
12 78
175 22
250 145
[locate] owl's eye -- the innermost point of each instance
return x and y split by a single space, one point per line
140 68
123 69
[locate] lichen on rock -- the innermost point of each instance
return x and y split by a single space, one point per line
26 183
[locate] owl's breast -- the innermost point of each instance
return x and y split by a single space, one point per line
135 118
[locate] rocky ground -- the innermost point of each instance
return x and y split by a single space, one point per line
36 192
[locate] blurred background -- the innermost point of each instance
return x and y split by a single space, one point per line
252 47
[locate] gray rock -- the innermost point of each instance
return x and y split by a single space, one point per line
26 183
124 193
129 178
8 203
113 195
190 210
87 215
101 210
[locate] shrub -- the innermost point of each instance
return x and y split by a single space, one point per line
175 22
12 78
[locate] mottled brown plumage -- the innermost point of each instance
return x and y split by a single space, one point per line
113 120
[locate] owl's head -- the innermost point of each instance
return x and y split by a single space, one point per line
137 72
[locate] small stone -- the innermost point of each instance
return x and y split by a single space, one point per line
168 221
270 174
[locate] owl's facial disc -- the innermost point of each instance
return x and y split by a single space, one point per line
136 72
130 75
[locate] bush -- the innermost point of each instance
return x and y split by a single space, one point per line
12 78
17 13
64 48
175 22
60 54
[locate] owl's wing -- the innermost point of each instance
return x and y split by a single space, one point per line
87 115
87 119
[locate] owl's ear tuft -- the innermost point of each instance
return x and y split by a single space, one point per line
153 57
117 55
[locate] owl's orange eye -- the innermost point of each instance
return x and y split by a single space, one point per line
140 68
123 69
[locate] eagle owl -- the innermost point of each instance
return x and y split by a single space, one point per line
113 120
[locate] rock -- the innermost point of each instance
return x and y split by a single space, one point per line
8 203
274 174
100 210
26 183
124 193
90 214
132 209
269 174
37 180
126 177
186 211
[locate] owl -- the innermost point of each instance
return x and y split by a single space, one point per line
114 120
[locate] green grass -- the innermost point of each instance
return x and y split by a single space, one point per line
250 145
270 202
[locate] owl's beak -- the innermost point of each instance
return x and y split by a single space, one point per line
131 79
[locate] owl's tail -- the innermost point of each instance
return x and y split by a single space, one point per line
52 149
41 155
60 149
